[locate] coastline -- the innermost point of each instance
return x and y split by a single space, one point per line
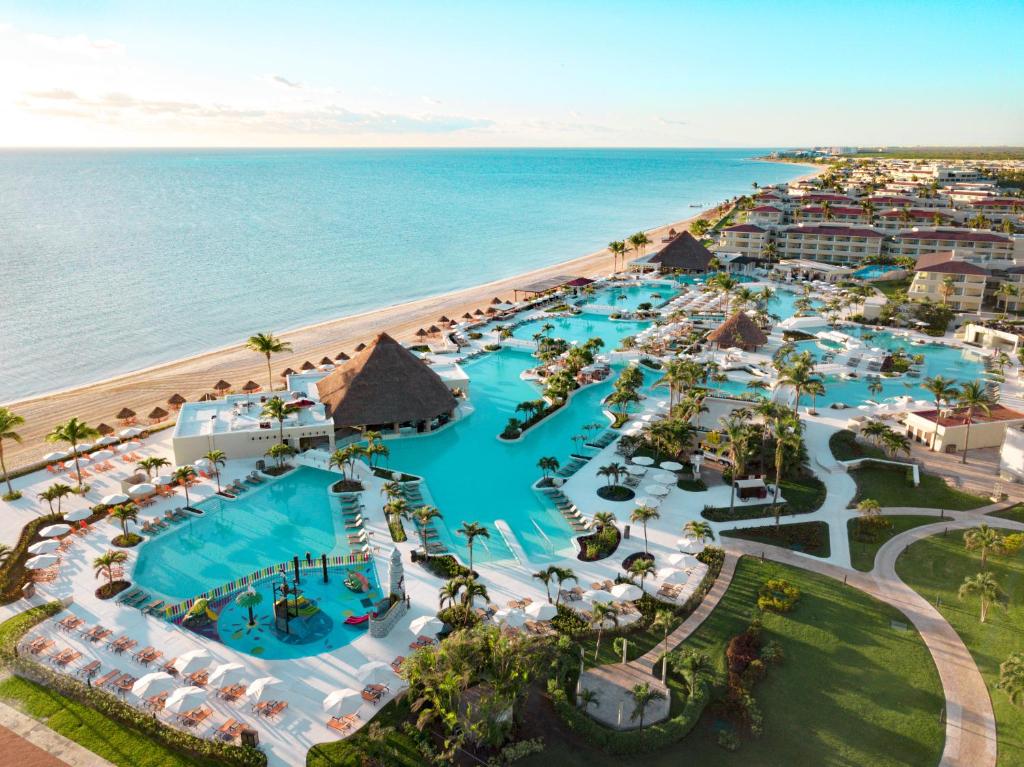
192 376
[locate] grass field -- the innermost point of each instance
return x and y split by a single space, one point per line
935 568
1016 513
809 537
837 699
862 553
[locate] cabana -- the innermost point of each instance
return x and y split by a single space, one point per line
545 285
740 331
175 401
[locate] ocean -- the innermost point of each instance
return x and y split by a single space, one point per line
112 261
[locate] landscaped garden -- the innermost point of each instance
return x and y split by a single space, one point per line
863 548
936 568
807 537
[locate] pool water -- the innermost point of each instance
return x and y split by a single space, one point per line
628 297
581 328
874 271
265 526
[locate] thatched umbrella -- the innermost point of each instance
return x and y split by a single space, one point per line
104 430
467 316
287 372
125 415
326 361
495 301
341 357
175 401
421 333
307 365
250 387
433 330
478 313
208 397
444 320
491 310
221 386
360 347
157 414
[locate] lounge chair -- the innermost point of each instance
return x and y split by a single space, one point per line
40 646
372 696
124 684
230 729
396 664
89 670
65 657
136 599
196 716
156 702
342 723
232 692
199 678
70 623
153 607
107 678
275 709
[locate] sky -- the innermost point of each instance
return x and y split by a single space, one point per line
379 73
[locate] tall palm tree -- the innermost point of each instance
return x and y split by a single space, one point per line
9 422
642 515
987 589
972 396
422 517
826 211
868 209
1006 291
60 491
664 621
639 241
736 433
618 250
217 459
603 519
124 514
448 594
545 577
600 613
693 666
586 698
699 530
471 589
48 496
279 410
183 475
247 600
642 569
985 540
562 575
643 695
268 344
151 464
1011 677
73 432
787 441
472 531
105 563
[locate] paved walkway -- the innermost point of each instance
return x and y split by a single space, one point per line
28 743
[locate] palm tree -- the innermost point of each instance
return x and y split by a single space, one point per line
73 432
986 587
600 613
868 209
422 517
985 540
548 464
894 443
280 453
664 621
603 519
471 589
639 241
151 464
737 435
1011 677
642 515
643 695
217 458
1006 291
875 387
586 698
973 395
448 594
643 569
104 564
48 496
787 438
183 475
798 375
826 211
279 410
472 531
618 250
545 577
267 344
9 422
60 491
947 288
699 530
247 600
693 666
562 574
124 514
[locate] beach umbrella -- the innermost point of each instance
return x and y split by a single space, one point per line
51 457
642 460
78 515
360 347
598 595
657 490
636 471
444 320
684 561
221 386
54 531
225 671
467 316
208 397
425 624
154 682
421 333
433 330
341 357
41 562
688 545
511 617
43 547
495 301
672 575
114 499
663 477
307 365
140 490
646 500
108 441
105 429
102 455
287 372
84 447
626 592
130 432
343 702
258 687
374 672
671 466
125 414
182 662
163 480
541 611
157 414
176 401
132 444
184 698
478 313
201 462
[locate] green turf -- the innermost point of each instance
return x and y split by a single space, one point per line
890 487
862 553
892 287
392 747
808 537
837 699
1015 513
935 568
91 729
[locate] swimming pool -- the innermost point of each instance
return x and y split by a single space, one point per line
268 525
582 327
875 271
627 298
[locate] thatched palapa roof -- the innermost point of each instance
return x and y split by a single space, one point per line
104 429
386 384
739 330
360 347
287 372
341 357
125 413
683 252
176 400
307 365
221 385
158 414
250 386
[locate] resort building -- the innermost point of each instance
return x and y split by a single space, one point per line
945 278
795 269
895 219
844 214
766 214
1011 455
744 239
738 331
1002 339
683 254
829 242
984 246
998 209
987 429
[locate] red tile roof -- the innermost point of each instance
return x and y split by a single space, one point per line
765 209
996 413
999 203
892 200
944 263
964 235
915 213
828 229
836 211
822 196
745 228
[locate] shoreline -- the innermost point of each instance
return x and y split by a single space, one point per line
191 376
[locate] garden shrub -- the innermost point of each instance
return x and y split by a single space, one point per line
777 595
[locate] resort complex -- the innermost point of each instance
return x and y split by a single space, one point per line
752 495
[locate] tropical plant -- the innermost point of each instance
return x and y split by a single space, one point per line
693 666
643 695
601 613
280 453
1011 677
184 476
268 344
124 514
664 621
562 575
9 423
547 465
642 568
642 515
422 516
247 600
106 563
786 430
986 588
736 432
152 463
972 396
472 531
56 492
586 698
73 431
618 250
699 530
603 519
217 459
984 540
942 390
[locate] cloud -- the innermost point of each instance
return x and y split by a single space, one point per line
669 121
80 45
430 100
329 119
285 81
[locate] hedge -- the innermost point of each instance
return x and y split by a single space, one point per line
11 632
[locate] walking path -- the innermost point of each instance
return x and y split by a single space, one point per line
28 743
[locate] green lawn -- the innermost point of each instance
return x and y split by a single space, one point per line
809 537
838 698
891 287
89 728
889 486
862 553
1016 513
935 568
393 748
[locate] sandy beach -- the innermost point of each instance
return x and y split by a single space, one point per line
194 376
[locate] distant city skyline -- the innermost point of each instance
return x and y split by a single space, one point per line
115 73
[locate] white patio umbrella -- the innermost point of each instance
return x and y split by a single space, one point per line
201 462
598 595
129 432
643 460
51 457
375 672
343 702
78 515
636 471
102 455
511 617
223 672
626 592
184 698
426 624
541 611
183 662
83 447
672 575
108 441
138 491
646 500
684 561
663 477
43 547
163 480
671 466
657 489
258 687
154 681
53 531
689 545
42 561
114 499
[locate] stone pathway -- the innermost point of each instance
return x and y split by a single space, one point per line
28 743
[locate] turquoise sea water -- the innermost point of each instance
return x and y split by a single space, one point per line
116 260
